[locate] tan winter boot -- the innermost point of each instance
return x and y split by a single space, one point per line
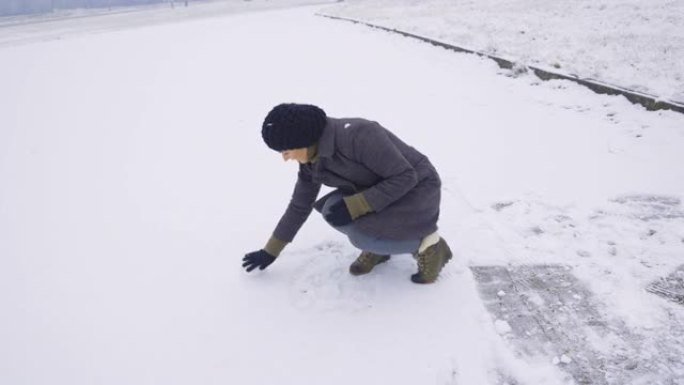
431 261
366 262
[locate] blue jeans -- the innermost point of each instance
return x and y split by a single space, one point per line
367 242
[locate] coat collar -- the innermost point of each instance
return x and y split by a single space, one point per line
326 144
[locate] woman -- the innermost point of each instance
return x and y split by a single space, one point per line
387 193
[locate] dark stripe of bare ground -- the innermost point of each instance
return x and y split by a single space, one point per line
649 102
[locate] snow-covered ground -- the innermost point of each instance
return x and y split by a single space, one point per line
134 179
629 43
22 29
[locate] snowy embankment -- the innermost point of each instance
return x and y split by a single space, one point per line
134 179
627 43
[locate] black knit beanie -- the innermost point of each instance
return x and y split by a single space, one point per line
289 126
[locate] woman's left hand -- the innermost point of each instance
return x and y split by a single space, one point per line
339 214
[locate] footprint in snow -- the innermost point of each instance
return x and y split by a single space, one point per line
323 284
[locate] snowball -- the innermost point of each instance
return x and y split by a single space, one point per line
502 327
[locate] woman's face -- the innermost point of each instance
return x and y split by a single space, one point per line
298 154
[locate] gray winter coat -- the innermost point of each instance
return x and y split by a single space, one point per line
357 155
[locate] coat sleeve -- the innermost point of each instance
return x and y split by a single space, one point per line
375 149
300 206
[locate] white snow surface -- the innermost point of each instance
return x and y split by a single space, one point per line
629 43
134 179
